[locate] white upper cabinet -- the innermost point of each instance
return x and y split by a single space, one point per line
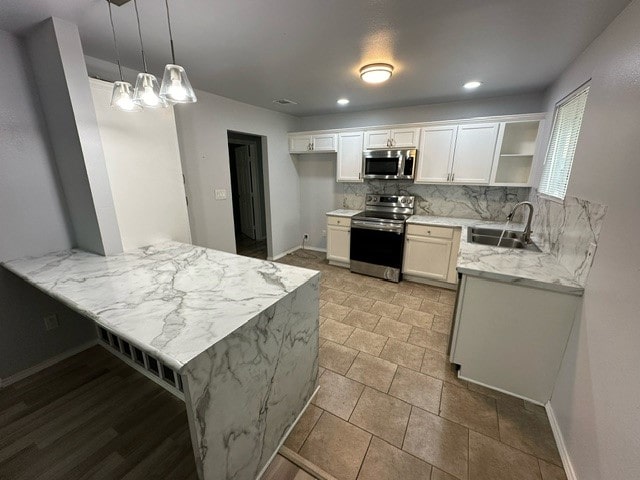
299 143
392 138
435 154
349 165
324 143
474 151
327 142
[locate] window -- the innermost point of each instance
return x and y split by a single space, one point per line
567 121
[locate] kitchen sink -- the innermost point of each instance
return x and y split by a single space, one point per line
491 236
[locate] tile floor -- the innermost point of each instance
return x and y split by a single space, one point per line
390 405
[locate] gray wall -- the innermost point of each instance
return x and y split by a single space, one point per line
597 395
60 74
33 220
202 134
507 105
319 194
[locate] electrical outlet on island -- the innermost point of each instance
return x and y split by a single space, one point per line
51 322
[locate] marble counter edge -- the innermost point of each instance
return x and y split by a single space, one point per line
342 212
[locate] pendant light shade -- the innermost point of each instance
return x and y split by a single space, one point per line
122 94
176 87
147 91
122 97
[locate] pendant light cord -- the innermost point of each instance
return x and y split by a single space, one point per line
144 60
173 53
115 42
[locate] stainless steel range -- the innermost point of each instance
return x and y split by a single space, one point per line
377 236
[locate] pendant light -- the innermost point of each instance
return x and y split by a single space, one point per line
147 92
176 87
122 95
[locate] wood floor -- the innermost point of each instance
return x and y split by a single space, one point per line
93 417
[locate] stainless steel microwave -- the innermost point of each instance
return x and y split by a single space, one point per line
390 164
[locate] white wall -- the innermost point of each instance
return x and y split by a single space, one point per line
33 221
506 105
202 133
597 395
143 162
319 194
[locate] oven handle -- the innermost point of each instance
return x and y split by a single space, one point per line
381 227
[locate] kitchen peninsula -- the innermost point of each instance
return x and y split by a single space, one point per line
241 333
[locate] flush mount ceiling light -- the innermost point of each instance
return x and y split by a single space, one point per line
175 87
376 72
147 91
472 85
343 101
122 95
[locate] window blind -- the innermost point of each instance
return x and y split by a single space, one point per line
562 146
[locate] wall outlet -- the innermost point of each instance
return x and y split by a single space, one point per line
324 233
51 322
305 236
221 194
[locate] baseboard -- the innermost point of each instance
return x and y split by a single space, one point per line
316 249
283 254
16 377
562 447
291 250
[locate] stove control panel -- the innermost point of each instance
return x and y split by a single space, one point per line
391 201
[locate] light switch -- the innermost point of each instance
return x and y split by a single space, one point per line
221 194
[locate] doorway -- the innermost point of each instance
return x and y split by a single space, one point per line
248 194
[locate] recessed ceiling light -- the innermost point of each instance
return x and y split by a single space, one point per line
343 101
376 72
472 85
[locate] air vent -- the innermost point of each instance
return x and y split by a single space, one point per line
285 101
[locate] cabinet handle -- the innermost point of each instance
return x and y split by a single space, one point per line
312 146
453 177
359 175
388 143
448 177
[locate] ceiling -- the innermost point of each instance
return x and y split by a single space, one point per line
310 51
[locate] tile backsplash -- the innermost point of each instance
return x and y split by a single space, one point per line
569 230
463 201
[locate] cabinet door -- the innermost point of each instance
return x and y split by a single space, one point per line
405 137
427 257
324 143
349 165
473 157
435 155
299 143
338 243
377 139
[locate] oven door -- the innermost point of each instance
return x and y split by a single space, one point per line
377 249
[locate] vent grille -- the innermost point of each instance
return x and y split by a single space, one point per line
285 101
143 361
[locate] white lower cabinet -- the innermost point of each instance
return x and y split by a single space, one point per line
511 337
338 240
430 252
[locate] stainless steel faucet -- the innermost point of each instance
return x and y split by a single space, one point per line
527 228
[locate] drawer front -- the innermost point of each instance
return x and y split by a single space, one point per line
430 231
341 221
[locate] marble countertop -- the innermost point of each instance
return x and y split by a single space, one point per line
343 212
535 269
172 299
